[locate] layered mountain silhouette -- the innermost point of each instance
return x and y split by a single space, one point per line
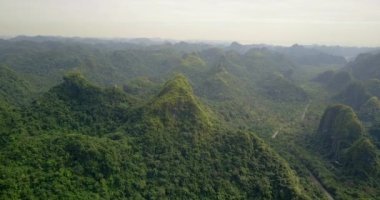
365 66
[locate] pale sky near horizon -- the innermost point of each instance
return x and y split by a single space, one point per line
284 22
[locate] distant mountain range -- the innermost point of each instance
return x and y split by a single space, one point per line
87 118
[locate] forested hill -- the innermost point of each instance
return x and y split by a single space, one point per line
87 118
366 66
65 152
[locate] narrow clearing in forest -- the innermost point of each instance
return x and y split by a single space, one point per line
320 186
305 111
275 134
302 118
312 177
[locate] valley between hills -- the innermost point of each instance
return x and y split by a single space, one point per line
106 119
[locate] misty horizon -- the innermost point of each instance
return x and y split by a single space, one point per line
158 40
343 23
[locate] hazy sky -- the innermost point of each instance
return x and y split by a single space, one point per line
342 22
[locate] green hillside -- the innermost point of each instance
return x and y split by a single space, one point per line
370 111
339 129
353 95
366 66
373 87
13 89
86 118
180 154
362 159
177 107
77 105
278 88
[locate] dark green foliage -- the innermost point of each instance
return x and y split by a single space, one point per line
224 166
165 160
338 129
353 95
261 62
191 63
13 89
44 63
373 87
231 165
343 138
362 159
177 107
80 141
374 131
339 81
78 105
370 114
366 66
60 166
141 86
9 123
370 111
325 77
277 88
220 84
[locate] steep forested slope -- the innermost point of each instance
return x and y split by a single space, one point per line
350 153
77 105
136 129
338 129
169 148
365 66
13 89
353 95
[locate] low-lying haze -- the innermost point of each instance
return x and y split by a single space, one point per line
333 22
